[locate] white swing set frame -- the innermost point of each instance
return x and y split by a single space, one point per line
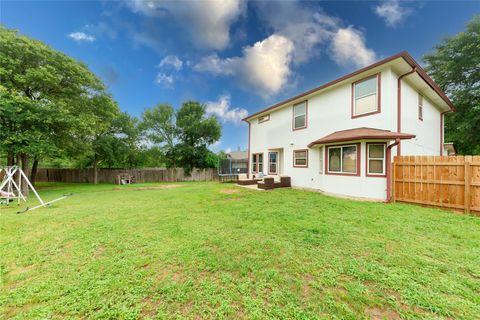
11 189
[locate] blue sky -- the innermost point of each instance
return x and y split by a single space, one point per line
237 57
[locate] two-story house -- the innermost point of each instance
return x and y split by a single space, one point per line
341 137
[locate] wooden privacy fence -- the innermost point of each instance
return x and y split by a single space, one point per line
448 182
110 175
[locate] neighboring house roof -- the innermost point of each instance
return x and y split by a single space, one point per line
361 134
402 55
238 155
450 148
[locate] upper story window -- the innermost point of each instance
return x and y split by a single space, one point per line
264 118
420 107
300 115
366 96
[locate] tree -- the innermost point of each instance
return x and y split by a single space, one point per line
196 132
158 124
182 136
49 102
455 66
116 146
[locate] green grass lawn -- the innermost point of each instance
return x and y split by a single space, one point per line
208 250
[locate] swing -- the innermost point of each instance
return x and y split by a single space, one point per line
11 189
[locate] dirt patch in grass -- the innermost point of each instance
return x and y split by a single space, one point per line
167 186
306 289
150 307
229 191
99 251
20 269
378 314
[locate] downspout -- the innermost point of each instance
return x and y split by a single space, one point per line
389 169
399 104
441 130
248 160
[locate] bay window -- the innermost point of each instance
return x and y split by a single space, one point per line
343 159
376 159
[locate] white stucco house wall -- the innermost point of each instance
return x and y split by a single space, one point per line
340 138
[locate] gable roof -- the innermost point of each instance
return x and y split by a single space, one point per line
404 55
361 134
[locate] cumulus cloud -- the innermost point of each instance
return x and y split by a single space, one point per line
305 26
300 32
392 12
264 66
164 80
171 61
81 37
208 22
348 48
223 110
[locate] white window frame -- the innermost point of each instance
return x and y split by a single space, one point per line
276 162
321 162
354 111
383 159
341 159
256 165
295 165
299 115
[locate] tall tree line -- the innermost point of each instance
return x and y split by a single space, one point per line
54 107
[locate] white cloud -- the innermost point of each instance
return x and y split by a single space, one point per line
164 80
81 37
208 22
171 61
348 48
392 12
265 66
305 26
223 110
300 32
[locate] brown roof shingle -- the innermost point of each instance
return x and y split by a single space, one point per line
361 134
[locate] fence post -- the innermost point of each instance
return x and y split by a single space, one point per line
466 199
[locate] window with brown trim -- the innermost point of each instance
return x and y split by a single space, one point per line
300 158
420 107
376 159
264 118
365 96
300 115
343 159
257 162
273 163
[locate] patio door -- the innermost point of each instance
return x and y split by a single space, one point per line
273 163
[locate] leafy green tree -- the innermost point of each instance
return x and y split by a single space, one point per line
183 136
50 103
158 125
196 132
116 146
455 66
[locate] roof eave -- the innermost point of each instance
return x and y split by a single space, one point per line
358 138
404 55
